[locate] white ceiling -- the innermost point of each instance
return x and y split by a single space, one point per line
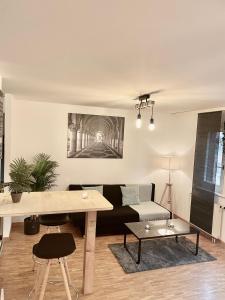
104 53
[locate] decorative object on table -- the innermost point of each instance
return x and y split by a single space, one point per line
145 102
147 227
44 174
169 163
21 176
84 195
170 226
159 253
93 136
169 223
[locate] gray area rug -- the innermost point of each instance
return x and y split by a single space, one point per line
159 253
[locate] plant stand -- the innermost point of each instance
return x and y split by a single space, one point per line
31 226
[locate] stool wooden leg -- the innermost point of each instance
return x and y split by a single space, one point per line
61 262
2 294
67 270
39 276
34 265
44 283
37 281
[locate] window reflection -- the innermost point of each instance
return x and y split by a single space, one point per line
213 170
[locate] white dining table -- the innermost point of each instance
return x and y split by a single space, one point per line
39 203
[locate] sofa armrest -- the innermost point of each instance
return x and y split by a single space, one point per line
166 209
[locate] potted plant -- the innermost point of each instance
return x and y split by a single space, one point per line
43 173
21 176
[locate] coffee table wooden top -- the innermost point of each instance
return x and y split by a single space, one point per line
161 228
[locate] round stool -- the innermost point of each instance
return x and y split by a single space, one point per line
53 220
52 246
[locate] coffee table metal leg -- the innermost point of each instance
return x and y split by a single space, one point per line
176 238
139 252
197 243
125 240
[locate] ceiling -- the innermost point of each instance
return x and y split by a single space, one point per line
105 53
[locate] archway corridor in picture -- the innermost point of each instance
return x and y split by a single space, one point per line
93 136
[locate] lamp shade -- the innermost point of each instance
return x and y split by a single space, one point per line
170 163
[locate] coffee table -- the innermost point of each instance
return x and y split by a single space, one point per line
159 229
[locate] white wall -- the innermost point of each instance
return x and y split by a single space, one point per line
35 127
174 134
42 127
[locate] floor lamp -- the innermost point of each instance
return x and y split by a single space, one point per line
169 163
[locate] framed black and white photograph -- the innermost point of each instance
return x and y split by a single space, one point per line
94 136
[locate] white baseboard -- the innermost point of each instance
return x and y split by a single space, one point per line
18 219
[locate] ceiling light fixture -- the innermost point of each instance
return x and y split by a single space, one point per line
138 120
145 102
151 125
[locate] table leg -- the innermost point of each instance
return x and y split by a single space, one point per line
89 252
176 238
197 243
139 252
125 240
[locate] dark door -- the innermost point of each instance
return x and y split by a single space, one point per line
205 169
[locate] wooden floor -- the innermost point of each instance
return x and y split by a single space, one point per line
197 281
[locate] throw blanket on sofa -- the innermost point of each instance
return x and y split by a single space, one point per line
150 211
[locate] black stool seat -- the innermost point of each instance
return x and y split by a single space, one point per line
53 219
54 245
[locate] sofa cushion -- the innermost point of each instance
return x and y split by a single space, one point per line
75 187
112 192
149 211
118 215
130 195
145 192
98 188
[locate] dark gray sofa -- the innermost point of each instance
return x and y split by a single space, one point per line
109 222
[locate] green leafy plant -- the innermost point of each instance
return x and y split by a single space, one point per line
21 176
43 172
3 185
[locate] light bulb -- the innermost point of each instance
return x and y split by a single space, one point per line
138 121
151 125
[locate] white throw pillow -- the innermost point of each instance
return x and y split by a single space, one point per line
130 195
145 192
98 188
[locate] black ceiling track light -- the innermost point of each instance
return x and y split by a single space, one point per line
145 102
